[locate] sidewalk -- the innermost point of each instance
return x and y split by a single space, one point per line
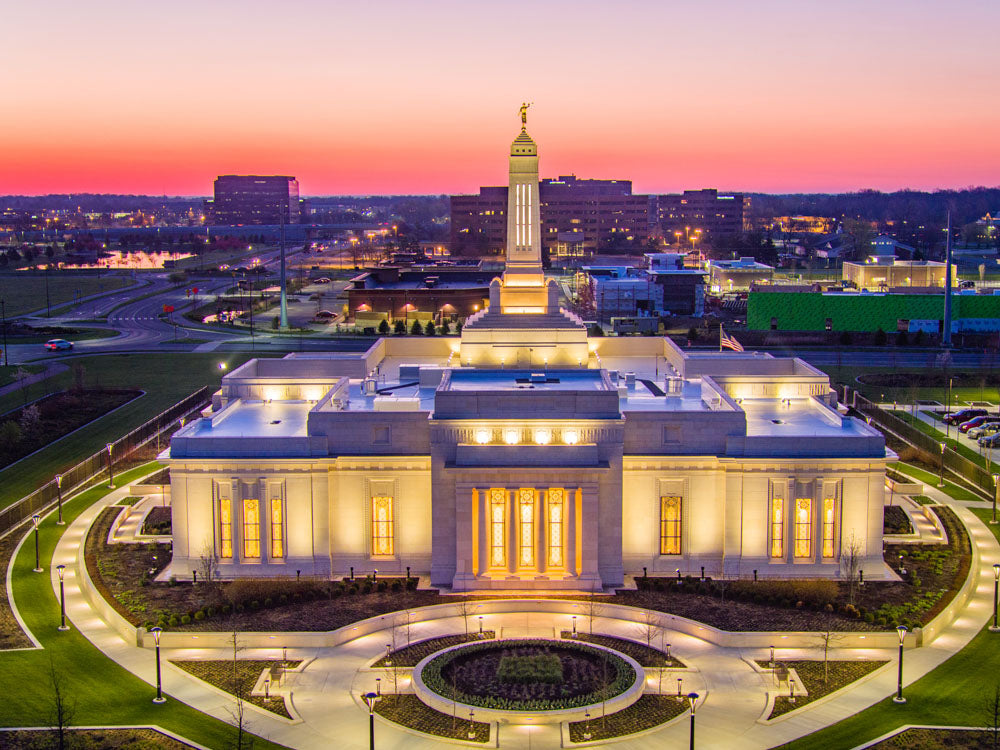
326 692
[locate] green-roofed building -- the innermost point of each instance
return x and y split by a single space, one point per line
851 311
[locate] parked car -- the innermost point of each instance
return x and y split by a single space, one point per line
987 436
964 415
321 280
974 422
990 441
991 425
55 345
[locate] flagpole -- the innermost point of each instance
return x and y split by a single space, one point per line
720 338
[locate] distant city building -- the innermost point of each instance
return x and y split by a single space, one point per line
417 293
707 210
864 311
578 218
737 275
254 199
802 224
664 287
884 272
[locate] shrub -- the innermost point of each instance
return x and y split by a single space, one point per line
269 602
397 586
382 586
174 621
185 619
199 615
283 598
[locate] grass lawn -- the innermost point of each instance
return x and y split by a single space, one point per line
166 378
7 373
945 696
959 493
25 293
960 448
104 693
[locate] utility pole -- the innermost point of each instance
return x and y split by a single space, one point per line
3 313
946 333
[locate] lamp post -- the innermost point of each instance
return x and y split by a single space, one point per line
692 704
480 626
159 688
111 471
38 564
996 596
898 698
370 700
941 480
60 521
472 726
61 569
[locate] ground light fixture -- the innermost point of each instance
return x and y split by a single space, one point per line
996 596
480 625
472 726
111 471
159 685
61 570
38 564
370 700
898 697
692 705
61 522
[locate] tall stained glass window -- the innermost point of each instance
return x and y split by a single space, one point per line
829 505
277 529
251 527
670 525
556 521
498 527
803 527
526 526
226 527
382 539
777 527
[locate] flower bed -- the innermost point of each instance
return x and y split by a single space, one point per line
475 675
238 678
647 712
157 521
819 680
409 711
410 656
647 656
105 739
939 739
895 521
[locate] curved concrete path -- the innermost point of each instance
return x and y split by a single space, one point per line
326 692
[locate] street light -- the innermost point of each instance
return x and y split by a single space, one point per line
996 596
370 700
38 565
159 689
111 471
898 698
61 569
692 704
941 480
60 522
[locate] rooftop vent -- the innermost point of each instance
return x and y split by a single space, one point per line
275 421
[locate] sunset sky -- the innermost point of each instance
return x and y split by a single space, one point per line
422 97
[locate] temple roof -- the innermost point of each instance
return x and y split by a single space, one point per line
523 145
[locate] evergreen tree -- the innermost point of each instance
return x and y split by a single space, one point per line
399 328
383 327
416 329
429 330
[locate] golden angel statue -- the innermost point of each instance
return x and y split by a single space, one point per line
524 113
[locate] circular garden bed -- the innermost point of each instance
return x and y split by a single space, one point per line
528 675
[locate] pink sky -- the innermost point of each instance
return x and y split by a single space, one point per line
422 97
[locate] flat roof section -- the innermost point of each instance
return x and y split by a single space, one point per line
531 380
255 419
799 417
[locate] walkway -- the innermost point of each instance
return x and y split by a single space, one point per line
326 692
53 369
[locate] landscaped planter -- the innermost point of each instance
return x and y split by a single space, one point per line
629 688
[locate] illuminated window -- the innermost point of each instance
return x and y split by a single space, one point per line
226 527
828 526
251 527
556 499
803 527
277 529
777 527
526 526
670 525
382 540
498 527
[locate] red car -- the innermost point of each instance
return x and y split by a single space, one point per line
974 422
964 415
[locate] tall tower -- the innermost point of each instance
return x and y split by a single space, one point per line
524 219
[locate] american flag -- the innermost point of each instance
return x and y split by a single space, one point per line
728 342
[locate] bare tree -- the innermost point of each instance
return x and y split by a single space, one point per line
465 609
991 710
593 607
649 626
63 708
244 740
209 563
21 376
827 640
850 564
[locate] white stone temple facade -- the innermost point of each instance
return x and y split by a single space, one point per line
526 456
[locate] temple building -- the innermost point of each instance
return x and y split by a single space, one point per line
525 456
